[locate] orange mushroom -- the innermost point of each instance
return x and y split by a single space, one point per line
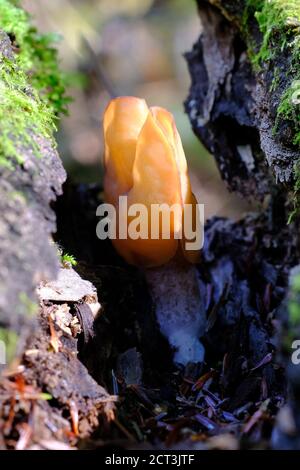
144 160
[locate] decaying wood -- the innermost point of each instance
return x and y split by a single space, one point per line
27 220
232 106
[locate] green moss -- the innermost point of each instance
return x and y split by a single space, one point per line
294 301
10 341
32 89
296 193
276 80
277 20
279 24
68 260
289 108
36 55
20 114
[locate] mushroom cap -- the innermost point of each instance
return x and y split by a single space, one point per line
145 161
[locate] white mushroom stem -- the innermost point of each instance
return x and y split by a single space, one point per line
175 293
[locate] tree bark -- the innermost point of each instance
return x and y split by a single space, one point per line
233 108
27 221
233 102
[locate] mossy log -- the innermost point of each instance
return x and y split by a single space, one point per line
31 173
244 99
28 185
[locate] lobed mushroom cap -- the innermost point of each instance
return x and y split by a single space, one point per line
145 161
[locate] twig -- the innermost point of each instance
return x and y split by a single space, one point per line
99 69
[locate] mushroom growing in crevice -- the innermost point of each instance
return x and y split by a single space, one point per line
145 164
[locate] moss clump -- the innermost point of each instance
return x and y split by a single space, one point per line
68 260
32 89
21 114
279 24
289 107
36 55
278 21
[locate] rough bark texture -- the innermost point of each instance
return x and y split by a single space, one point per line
233 108
232 105
27 221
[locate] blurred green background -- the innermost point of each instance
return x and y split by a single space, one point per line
130 47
